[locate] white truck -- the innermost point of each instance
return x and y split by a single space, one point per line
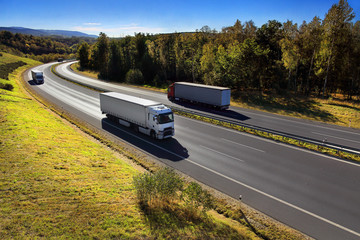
146 116
217 97
37 76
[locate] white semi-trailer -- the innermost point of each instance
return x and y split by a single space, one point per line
146 116
37 76
218 97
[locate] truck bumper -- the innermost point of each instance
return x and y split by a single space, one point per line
167 133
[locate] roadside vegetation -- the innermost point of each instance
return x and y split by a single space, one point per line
57 182
309 71
336 109
318 58
44 49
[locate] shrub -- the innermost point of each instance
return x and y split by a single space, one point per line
7 68
134 76
160 187
6 86
165 187
195 197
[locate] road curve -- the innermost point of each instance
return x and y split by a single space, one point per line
332 134
313 193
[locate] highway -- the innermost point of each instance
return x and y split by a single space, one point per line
311 192
342 136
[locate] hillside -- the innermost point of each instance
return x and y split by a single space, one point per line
43 32
44 49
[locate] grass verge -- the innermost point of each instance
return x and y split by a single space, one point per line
57 182
333 110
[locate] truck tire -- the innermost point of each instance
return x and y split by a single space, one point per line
152 134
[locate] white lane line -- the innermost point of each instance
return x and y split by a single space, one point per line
220 153
278 199
276 143
303 123
79 78
345 139
247 186
251 188
242 145
74 99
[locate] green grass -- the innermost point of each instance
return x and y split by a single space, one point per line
334 110
57 182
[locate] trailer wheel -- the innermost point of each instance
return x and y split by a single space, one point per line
152 134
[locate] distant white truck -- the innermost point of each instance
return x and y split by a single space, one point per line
37 76
146 116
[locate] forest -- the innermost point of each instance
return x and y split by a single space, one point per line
44 49
320 57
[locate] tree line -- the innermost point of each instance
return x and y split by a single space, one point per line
44 49
320 57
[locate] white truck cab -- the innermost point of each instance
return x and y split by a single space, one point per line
143 115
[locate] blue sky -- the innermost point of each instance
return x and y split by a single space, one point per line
123 17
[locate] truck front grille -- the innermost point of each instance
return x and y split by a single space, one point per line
168 131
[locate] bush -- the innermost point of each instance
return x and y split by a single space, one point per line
161 187
134 76
7 68
165 187
195 197
6 86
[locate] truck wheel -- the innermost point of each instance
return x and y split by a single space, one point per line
152 134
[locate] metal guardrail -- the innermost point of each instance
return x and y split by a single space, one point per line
274 132
234 122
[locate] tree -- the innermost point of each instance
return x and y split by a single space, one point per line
207 63
250 29
83 55
268 37
334 44
290 50
115 68
310 38
100 55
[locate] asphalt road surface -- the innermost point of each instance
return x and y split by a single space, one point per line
311 192
343 136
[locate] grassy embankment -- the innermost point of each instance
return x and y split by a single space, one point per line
56 182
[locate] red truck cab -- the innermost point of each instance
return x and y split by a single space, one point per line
171 92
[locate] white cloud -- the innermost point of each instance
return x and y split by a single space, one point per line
92 24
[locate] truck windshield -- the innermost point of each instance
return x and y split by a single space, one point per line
165 118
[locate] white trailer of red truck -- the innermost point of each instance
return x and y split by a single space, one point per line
218 97
146 116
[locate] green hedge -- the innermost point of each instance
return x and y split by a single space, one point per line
6 69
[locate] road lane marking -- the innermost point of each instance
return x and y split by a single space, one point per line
247 186
277 199
336 137
242 145
303 123
220 153
274 142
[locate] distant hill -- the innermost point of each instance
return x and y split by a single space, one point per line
43 32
